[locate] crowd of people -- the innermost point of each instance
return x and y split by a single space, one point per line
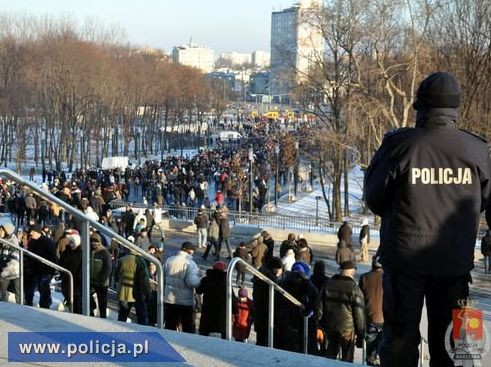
57 239
341 313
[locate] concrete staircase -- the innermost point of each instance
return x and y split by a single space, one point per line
195 349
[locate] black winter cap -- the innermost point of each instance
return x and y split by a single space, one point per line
440 89
275 263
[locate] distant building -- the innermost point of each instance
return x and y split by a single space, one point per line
235 58
227 77
259 83
294 43
260 59
196 56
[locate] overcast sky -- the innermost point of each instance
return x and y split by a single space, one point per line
223 25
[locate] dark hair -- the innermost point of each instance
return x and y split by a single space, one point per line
302 243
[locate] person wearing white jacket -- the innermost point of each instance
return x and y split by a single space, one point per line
288 260
181 278
92 214
10 273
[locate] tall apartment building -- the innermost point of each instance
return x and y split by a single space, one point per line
295 43
196 56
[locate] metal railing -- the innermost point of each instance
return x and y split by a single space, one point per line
272 220
84 235
272 288
23 251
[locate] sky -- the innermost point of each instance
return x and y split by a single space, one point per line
223 25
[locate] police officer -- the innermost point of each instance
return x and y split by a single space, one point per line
429 184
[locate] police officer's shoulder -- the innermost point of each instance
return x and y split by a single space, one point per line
474 135
397 133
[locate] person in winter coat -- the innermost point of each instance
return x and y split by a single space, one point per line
142 240
140 225
344 253
269 242
98 203
220 198
41 273
371 285
224 234
364 240
429 184
58 231
133 280
149 221
20 209
214 235
289 243
258 252
152 300
486 251
260 293
181 278
100 270
241 251
201 222
304 252
340 312
31 206
319 275
128 219
288 260
243 318
317 338
10 274
213 287
290 318
346 233
71 259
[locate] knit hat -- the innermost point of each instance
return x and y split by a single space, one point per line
188 246
74 239
439 89
275 263
301 268
243 293
220 265
36 228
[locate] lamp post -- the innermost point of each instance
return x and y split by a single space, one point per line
297 163
251 177
277 152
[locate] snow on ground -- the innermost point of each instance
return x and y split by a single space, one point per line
306 204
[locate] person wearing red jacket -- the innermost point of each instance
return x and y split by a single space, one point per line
243 319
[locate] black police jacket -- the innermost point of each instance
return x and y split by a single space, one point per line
429 184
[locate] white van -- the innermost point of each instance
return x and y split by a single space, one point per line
229 135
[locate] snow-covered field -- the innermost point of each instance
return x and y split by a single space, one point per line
306 204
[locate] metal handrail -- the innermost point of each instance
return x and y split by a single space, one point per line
272 288
284 221
41 259
86 246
